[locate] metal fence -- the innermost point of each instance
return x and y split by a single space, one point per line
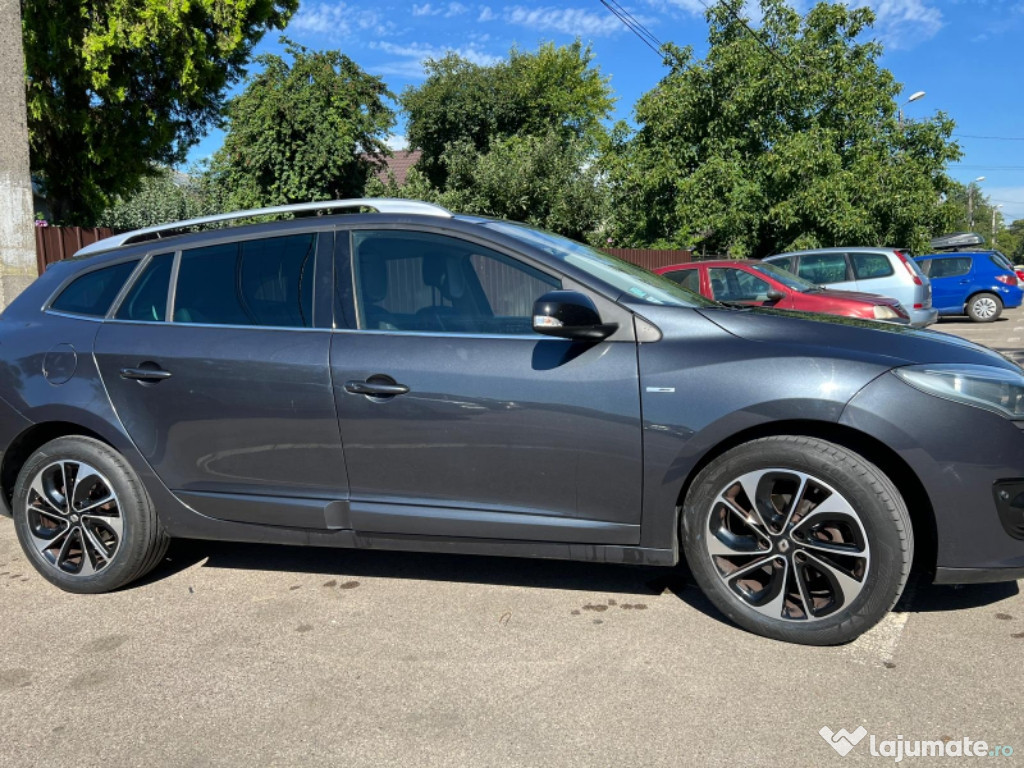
56 243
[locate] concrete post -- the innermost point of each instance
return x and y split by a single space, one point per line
17 235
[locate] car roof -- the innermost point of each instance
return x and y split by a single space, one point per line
843 249
713 263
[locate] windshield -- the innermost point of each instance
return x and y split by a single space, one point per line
785 277
636 282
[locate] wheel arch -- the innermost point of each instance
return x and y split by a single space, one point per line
27 443
922 515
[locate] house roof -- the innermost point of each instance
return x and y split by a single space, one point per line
399 165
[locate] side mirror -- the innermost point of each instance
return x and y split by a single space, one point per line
774 295
569 315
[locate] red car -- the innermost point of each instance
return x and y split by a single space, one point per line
754 283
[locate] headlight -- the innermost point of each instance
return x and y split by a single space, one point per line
883 312
994 389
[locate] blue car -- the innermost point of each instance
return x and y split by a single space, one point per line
978 284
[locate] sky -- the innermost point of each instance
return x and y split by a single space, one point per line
965 54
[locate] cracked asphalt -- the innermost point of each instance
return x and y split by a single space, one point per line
253 655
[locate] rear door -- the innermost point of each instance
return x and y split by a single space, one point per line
457 419
737 286
224 384
829 268
875 273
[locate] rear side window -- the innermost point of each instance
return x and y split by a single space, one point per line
786 262
265 283
146 300
688 278
867 266
950 267
823 267
92 293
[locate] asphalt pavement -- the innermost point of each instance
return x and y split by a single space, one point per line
232 655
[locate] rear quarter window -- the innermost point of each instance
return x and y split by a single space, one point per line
688 278
94 292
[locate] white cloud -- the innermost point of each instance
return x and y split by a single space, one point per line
486 14
409 58
397 141
569 21
449 10
905 23
337 20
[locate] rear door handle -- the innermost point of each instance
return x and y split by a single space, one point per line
145 374
377 388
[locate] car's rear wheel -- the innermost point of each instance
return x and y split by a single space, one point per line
84 518
984 307
798 539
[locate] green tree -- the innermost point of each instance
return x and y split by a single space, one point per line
556 88
312 129
167 195
114 87
542 180
1011 241
790 141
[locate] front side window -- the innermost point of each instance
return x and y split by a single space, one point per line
953 267
266 283
417 281
146 300
94 292
823 267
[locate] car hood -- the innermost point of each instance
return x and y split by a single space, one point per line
839 336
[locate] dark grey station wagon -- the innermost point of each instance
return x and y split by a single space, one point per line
412 379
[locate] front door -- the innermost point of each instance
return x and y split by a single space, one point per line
458 420
231 402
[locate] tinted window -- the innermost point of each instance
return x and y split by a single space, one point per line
688 278
823 267
785 262
950 267
255 282
93 292
147 298
412 281
736 285
870 265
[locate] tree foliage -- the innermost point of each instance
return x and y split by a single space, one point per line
312 129
517 139
165 196
542 180
555 89
760 148
115 86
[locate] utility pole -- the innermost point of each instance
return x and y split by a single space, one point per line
17 232
970 203
995 208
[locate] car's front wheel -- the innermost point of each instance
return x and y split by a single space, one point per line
84 518
984 307
798 539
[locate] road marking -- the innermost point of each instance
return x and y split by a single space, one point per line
879 644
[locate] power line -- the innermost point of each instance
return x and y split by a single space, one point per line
647 33
629 25
990 167
746 26
989 138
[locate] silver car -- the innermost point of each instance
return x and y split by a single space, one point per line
884 271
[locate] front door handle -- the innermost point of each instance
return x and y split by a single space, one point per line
378 388
145 374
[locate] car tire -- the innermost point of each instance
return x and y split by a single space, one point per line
984 307
107 536
820 572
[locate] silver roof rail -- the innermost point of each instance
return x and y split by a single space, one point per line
379 204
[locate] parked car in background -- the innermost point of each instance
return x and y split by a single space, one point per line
754 283
883 271
978 284
417 380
